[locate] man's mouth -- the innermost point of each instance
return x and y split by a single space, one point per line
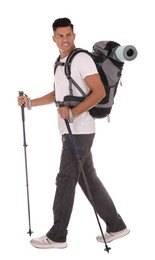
65 44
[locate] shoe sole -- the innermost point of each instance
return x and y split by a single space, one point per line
55 245
112 238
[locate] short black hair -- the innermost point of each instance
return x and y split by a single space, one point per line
62 22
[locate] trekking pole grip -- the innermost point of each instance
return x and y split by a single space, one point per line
21 93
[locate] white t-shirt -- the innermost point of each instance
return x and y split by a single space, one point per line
81 66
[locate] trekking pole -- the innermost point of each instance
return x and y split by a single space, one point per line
21 93
85 181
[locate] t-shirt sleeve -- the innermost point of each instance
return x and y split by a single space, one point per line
85 64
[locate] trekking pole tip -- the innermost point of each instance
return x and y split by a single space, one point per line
30 232
107 249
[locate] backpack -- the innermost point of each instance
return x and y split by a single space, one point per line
109 68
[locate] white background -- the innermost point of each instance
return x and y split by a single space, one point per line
123 150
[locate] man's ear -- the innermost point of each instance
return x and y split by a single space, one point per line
53 38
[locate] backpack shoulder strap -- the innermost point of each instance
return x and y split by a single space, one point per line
70 58
68 69
58 62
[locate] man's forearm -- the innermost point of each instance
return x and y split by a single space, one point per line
90 101
44 100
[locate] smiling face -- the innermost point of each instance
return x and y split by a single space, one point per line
64 38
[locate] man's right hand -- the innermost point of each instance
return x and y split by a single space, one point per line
22 100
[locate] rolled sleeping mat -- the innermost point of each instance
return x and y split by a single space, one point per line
124 53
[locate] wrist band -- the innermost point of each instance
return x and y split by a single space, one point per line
70 115
29 106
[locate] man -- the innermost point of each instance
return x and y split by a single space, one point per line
84 72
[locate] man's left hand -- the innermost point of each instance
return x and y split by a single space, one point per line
63 112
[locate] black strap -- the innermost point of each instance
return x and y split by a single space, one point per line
71 80
67 68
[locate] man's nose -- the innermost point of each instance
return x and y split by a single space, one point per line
65 38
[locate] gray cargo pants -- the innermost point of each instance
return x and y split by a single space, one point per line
67 178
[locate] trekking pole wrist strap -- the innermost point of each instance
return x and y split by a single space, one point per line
70 115
29 102
29 106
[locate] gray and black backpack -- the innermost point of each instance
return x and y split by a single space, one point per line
109 58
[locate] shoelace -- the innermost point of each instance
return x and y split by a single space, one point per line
48 241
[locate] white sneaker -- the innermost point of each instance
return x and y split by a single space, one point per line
112 236
45 242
